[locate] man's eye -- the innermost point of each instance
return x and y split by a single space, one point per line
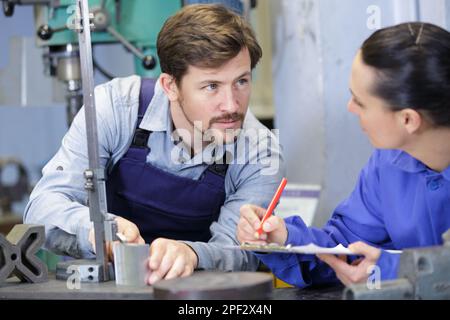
211 86
242 81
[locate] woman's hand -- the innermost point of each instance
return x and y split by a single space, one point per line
274 229
359 270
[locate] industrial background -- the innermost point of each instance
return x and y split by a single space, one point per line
300 87
323 143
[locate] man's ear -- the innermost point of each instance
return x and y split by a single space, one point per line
411 120
169 86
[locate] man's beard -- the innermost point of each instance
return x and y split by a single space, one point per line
214 135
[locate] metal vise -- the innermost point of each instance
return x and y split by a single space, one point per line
18 254
424 273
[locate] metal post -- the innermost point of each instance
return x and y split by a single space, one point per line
95 175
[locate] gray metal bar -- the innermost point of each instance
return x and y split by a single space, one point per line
97 192
400 289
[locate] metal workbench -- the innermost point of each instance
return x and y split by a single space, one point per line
58 290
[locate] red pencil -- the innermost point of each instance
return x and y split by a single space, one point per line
272 205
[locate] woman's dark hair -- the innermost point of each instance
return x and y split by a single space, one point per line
413 65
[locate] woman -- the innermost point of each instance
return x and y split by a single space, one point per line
400 86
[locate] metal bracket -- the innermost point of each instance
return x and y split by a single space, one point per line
18 254
89 271
422 274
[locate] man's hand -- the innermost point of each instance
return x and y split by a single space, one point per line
127 228
274 229
170 259
359 270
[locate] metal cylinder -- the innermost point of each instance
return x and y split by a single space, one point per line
131 264
68 68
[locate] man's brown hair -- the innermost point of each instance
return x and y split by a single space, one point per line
206 36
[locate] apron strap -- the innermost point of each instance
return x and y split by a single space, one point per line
219 169
140 138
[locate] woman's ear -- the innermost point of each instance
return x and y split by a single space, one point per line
169 86
411 120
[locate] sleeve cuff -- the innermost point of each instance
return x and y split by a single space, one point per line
388 265
296 230
203 260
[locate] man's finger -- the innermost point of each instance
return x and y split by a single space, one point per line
177 268
157 252
131 232
164 267
187 271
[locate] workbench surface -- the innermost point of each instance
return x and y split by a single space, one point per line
58 289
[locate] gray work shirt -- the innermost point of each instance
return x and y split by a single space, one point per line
59 199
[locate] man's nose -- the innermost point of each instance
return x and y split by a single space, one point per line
229 101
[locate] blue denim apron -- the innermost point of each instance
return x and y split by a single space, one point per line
162 204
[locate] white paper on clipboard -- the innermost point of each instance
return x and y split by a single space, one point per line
307 249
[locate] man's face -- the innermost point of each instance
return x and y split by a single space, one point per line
214 101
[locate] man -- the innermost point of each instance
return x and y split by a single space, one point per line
167 180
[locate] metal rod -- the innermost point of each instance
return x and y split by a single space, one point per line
97 192
126 43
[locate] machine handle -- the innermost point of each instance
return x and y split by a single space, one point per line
45 32
148 61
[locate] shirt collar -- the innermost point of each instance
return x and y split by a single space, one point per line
407 163
157 116
410 164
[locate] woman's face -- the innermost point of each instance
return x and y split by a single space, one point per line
382 125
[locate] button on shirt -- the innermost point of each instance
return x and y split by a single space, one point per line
397 203
59 199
